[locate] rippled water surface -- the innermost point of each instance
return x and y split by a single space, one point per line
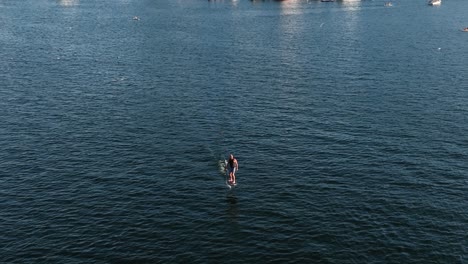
349 121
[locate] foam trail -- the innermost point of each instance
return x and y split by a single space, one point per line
222 170
222 166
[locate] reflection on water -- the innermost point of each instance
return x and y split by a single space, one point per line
289 7
68 2
233 2
349 3
292 26
232 210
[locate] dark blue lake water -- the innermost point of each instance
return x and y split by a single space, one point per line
349 121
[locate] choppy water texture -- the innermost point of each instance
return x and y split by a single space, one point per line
349 121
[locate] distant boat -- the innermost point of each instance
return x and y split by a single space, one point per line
388 4
465 29
435 2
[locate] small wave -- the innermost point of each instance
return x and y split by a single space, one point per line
222 166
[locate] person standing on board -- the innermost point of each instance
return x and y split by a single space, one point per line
232 167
